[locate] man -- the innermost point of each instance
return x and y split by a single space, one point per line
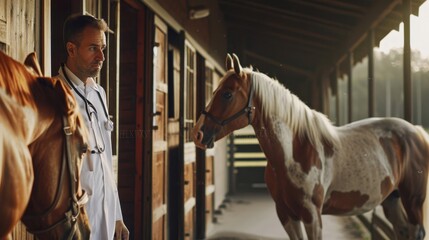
85 40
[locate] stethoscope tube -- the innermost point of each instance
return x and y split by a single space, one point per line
87 102
100 148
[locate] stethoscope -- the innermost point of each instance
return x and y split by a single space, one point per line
100 146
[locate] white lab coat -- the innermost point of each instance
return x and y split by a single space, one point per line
103 207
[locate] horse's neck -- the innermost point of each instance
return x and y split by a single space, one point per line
275 137
24 118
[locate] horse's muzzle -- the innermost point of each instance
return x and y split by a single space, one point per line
204 138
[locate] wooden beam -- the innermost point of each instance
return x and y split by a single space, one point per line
375 15
283 66
239 5
325 8
278 27
343 4
247 29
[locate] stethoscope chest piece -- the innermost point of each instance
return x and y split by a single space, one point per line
108 125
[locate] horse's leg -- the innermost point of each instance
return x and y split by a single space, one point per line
413 204
313 225
394 212
292 228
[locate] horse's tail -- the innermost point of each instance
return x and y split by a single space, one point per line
424 134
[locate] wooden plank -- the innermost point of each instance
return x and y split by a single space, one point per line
248 155
245 164
189 184
189 225
209 211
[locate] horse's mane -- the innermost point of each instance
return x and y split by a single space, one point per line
280 102
16 80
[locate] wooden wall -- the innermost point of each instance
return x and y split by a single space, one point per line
17 27
210 32
18 39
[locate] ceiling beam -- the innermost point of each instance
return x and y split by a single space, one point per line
343 4
250 30
280 65
325 8
288 14
375 15
280 28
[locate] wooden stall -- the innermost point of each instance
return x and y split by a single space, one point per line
162 65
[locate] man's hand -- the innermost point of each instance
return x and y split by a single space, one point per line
121 231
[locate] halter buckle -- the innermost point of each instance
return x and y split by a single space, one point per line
68 131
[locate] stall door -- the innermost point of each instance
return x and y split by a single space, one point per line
159 160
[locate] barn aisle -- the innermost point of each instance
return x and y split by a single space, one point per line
251 216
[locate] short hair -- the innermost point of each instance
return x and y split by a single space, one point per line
75 24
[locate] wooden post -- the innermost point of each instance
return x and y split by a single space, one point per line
201 154
371 94
337 93
349 87
408 105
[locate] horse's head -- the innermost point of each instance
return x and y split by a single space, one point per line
56 207
230 108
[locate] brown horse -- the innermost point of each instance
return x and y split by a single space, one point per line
56 140
316 168
16 171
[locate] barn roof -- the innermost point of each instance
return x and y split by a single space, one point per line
297 39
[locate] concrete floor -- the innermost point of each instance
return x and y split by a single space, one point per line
252 216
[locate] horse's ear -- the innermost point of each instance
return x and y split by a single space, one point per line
228 62
237 67
32 62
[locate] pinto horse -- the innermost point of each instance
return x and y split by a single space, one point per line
55 138
316 168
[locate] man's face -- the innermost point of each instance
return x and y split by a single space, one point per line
89 56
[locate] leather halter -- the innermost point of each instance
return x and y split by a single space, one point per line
246 110
70 218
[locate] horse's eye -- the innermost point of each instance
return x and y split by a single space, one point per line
84 148
227 95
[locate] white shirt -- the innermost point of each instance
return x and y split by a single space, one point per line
97 177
